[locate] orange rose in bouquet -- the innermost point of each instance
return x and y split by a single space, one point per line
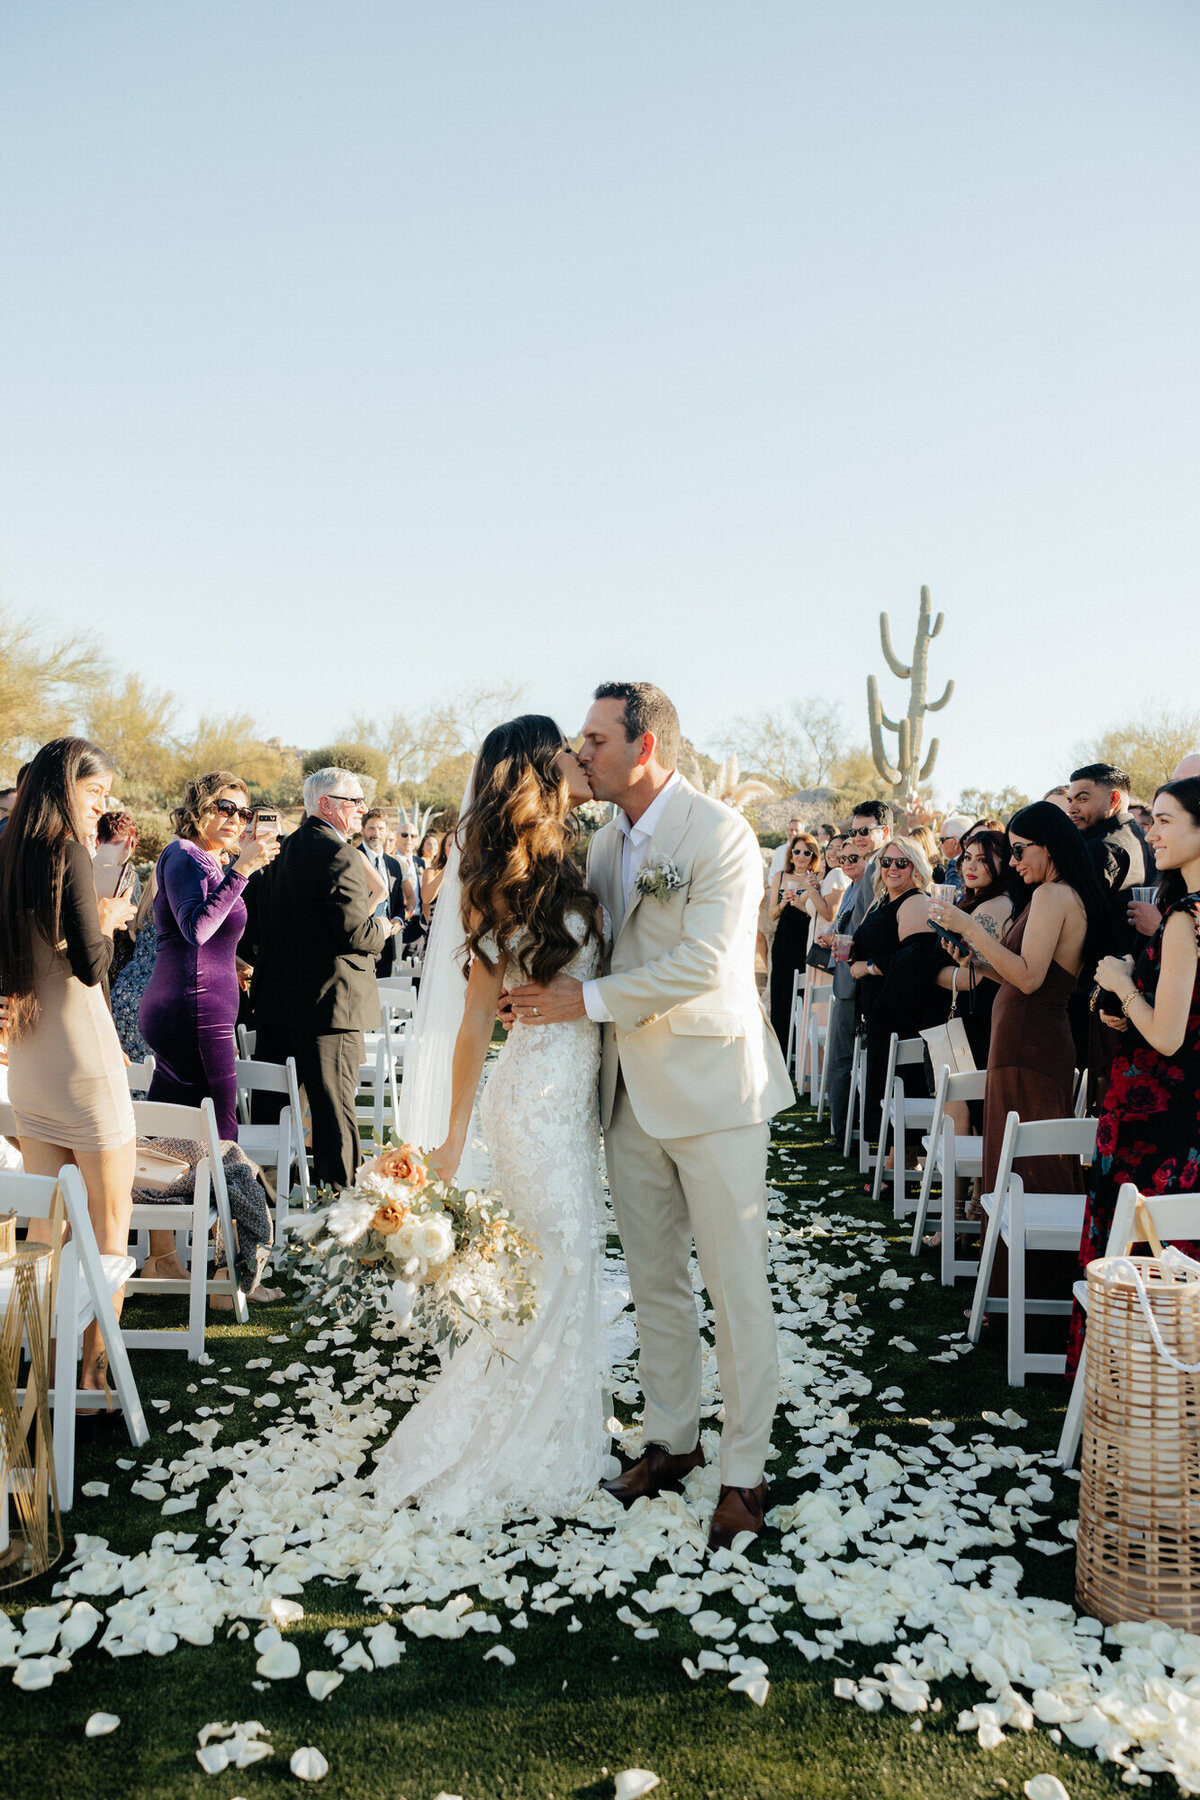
388 1219
401 1163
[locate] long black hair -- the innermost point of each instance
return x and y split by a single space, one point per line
33 855
1050 827
994 848
1171 885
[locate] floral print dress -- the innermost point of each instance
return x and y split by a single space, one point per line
1149 1130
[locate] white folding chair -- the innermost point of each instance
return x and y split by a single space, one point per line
820 1002
1176 1218
855 1101
1029 1222
1081 1093
795 1040
902 1114
953 1156
209 1205
279 1145
139 1075
87 1285
246 1040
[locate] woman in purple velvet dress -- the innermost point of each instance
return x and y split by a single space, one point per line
189 1009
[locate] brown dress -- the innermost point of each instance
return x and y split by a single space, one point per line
1030 1070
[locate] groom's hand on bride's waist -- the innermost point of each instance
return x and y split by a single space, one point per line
549 1003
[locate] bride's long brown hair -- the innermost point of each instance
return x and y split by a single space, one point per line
515 861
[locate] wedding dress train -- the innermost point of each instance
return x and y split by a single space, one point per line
524 1434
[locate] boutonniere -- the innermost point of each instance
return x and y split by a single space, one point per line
658 877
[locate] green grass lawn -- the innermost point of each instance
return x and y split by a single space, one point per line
576 1707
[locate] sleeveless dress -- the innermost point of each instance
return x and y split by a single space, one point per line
524 1434
1149 1129
1030 1069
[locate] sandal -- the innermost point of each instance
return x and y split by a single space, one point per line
151 1270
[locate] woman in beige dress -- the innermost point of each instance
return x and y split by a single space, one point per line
66 1072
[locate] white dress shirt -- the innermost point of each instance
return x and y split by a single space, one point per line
633 854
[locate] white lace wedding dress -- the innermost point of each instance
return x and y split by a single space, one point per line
524 1434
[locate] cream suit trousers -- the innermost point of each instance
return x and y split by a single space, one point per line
711 1188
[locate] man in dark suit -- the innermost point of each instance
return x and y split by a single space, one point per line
400 899
313 937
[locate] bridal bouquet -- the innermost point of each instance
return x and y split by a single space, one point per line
443 1261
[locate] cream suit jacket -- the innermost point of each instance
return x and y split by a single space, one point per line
690 1034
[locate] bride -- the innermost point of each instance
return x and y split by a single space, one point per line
522 1433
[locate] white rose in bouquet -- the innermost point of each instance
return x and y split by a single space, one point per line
403 1243
433 1239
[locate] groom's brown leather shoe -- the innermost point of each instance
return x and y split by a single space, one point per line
654 1470
737 1509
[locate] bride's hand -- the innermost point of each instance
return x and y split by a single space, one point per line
443 1162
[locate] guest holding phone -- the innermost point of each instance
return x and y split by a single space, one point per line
1057 935
789 915
65 1069
990 890
190 1006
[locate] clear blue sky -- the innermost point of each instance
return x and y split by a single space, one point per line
356 352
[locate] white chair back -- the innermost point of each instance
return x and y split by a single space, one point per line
1027 1221
210 1203
139 1075
85 1287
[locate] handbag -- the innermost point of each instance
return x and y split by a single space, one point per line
947 1044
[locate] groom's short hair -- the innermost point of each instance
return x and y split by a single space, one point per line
646 709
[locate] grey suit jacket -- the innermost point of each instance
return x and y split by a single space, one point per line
855 907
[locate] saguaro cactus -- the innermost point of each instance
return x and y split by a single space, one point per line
908 771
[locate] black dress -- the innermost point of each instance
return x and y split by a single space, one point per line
787 955
904 998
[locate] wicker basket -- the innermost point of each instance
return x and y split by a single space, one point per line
1138 1547
8 1236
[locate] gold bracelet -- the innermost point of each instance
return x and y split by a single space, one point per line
1132 995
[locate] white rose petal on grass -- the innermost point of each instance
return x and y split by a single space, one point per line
321 1682
1045 1787
498 1653
308 1764
631 1784
95 1490
280 1663
755 1687
213 1758
100 1724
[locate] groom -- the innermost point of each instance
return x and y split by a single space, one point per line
691 1072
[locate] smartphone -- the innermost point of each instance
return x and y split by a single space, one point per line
951 937
266 822
112 871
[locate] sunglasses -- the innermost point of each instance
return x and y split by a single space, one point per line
353 799
1018 850
947 837
863 830
229 809
894 862
849 859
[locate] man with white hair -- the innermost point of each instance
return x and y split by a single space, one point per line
313 937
